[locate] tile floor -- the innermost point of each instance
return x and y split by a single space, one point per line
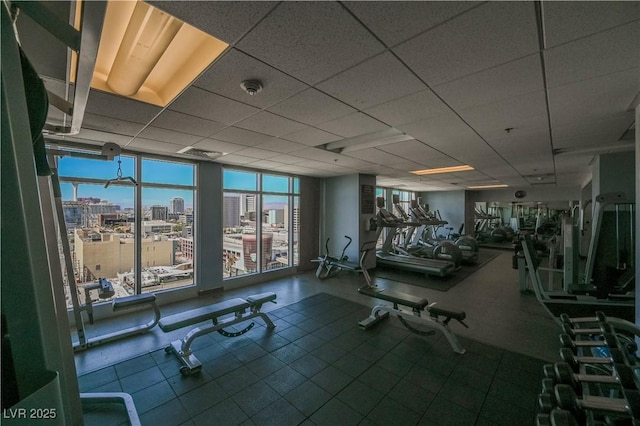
318 367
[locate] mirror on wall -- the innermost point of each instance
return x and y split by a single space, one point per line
499 221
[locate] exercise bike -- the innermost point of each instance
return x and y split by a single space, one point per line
330 266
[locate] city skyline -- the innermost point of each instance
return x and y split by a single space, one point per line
157 172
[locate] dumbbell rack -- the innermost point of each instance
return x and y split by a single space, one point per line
597 382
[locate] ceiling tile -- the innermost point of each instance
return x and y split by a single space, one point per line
227 73
522 143
316 154
101 103
424 104
208 144
311 137
180 122
235 159
242 136
169 136
270 124
353 125
597 98
281 145
373 155
227 20
513 79
570 20
375 81
256 153
100 137
486 36
286 159
147 145
112 125
200 103
311 107
522 114
394 22
442 133
608 128
266 165
603 53
310 41
413 150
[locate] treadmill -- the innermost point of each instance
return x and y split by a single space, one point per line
386 257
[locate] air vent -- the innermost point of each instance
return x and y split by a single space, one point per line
201 153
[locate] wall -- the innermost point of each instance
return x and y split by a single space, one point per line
614 173
310 212
450 204
341 214
343 202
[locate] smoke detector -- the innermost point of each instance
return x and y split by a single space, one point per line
251 86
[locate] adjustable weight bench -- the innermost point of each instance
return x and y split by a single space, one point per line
237 306
119 304
418 306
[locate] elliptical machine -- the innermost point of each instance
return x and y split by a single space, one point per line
420 244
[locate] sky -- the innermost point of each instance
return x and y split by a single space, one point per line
155 171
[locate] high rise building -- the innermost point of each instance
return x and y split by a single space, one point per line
231 211
158 212
176 205
247 205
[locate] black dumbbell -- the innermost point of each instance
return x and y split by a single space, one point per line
568 400
560 417
546 402
616 356
610 341
622 375
600 317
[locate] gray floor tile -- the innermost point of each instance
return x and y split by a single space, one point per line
308 397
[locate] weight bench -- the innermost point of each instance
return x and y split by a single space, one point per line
237 306
418 306
121 304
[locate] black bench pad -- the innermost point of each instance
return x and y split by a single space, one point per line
440 310
258 299
135 300
194 316
395 297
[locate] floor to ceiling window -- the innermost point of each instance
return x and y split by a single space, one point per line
260 222
100 217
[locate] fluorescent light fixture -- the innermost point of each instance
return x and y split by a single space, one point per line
453 169
500 185
370 140
149 55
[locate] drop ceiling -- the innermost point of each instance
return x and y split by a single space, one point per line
525 92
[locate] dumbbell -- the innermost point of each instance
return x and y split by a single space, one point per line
600 317
610 341
616 356
557 417
622 375
628 407
546 402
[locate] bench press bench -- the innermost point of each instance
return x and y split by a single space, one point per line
237 306
418 306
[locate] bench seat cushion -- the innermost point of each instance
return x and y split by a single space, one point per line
135 300
194 316
441 310
258 299
396 297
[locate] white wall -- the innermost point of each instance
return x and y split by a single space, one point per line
341 214
450 204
